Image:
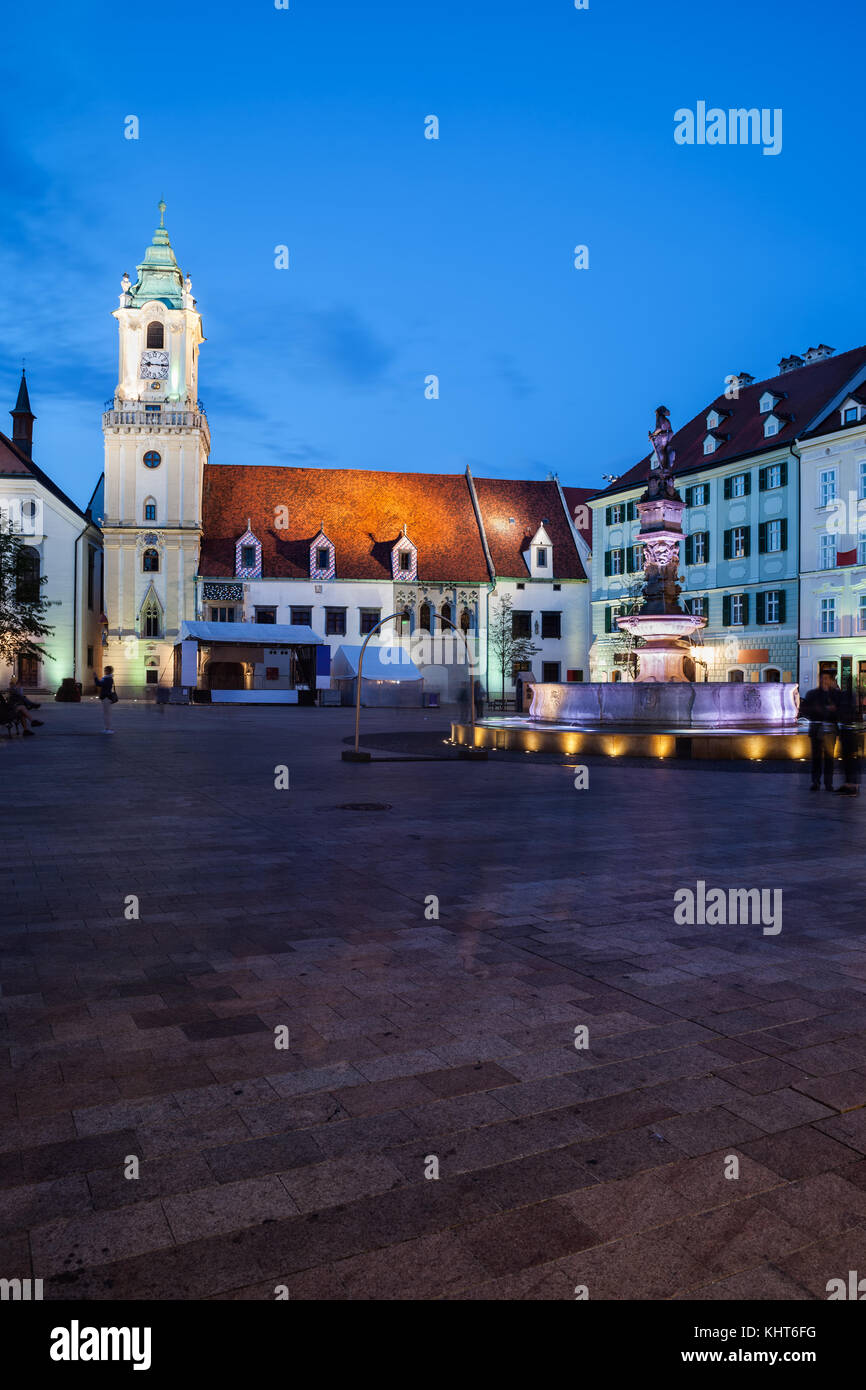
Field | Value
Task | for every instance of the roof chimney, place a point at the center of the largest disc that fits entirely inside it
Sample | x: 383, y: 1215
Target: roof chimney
x: 22, y: 420
x: 790, y: 364
x: 819, y: 353
x: 743, y: 379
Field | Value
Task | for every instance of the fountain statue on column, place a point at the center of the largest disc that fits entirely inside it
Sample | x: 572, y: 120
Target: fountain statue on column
x: 661, y: 621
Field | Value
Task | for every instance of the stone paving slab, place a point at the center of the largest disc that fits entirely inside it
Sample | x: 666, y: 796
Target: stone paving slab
x: 705, y: 1138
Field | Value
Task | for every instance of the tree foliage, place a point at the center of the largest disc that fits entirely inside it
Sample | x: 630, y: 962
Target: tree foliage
x: 22, y: 608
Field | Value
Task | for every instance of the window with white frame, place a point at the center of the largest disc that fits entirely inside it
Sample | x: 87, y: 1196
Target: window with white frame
x: 738, y: 609
x: 617, y: 513
x: 771, y: 426
x: 697, y: 606
x: 828, y: 615
x: 861, y: 614
x: 616, y: 558
x: 710, y: 445
x: 861, y: 548
x: 774, y: 475
x: 826, y: 486
x: 827, y: 553
x: 774, y: 535
x: 771, y: 606
x: 738, y: 485
x: 700, y: 495
x: 862, y: 488
x: 713, y: 420
x: 699, y: 548
x: 738, y: 542
x: 767, y: 401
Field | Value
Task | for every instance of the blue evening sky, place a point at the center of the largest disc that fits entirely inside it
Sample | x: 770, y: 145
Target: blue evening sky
x: 410, y: 256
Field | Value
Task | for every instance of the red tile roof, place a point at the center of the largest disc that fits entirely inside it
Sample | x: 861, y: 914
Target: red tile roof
x: 579, y: 497
x: 362, y: 511
x: 803, y: 392
x: 511, y: 512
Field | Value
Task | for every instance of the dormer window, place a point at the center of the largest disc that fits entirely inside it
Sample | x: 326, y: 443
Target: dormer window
x: 248, y: 555
x: 767, y: 401
x: 404, y: 559
x: 772, y: 425
x: 323, y: 558
x: 850, y: 415
x: 710, y: 444
x: 541, y: 557
x: 713, y: 421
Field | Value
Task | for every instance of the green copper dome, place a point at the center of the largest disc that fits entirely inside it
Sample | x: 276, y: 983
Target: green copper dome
x: 159, y: 275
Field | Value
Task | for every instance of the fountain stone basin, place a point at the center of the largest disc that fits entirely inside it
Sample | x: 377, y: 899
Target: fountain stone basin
x: 679, y: 703
x: 665, y: 642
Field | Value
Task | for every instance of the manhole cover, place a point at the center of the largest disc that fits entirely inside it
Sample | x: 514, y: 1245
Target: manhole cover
x: 364, y: 806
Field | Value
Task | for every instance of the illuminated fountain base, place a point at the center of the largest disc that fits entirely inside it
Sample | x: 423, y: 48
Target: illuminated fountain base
x: 685, y: 704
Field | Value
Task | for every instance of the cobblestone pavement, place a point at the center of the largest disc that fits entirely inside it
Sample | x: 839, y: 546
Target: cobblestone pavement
x: 414, y: 1038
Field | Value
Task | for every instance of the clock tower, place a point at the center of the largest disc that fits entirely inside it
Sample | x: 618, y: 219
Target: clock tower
x: 156, y: 445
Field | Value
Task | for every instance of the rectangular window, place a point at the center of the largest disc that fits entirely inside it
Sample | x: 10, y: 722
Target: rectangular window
x: 151, y: 409
x: 272, y: 673
x: 541, y: 558
x: 90, y: 656
x: 551, y: 624
x: 335, y: 622
x: 517, y: 667
x: 222, y: 615
x: 550, y: 671
x: 826, y: 486
x: 774, y: 536
x: 738, y: 543
x: 697, y: 606
x: 405, y: 559
x: 738, y: 485
x: 574, y: 677
x: 635, y: 558
x: 323, y: 557
x: 266, y: 615
x: 862, y: 489
x: 827, y: 553
x: 369, y: 619
x: 151, y: 677
x: 301, y: 617
x: 616, y: 514
x: 737, y: 609
x: 851, y: 414
x: 861, y: 614
x: 861, y: 549
x: 521, y: 624
x: 772, y: 606
x: 248, y: 557
x: 828, y: 615
x: 700, y: 548
x: 614, y: 562
x: 150, y: 511
x: 698, y: 496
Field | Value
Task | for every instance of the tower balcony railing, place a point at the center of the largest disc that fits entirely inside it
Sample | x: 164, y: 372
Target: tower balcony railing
x: 165, y: 415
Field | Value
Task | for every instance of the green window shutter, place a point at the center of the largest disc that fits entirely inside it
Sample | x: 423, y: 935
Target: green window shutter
x: 783, y: 466
x: 784, y: 530
x: 747, y: 478
x: 607, y: 562
x: 630, y: 511
x: 728, y: 544
x: 726, y: 611
x: 782, y: 597
x: 762, y: 480
x: 762, y: 538
x: 608, y: 621
x: 707, y: 547
x: 690, y: 497
x: 728, y: 487
x: 690, y: 548
x: 760, y: 605
x: 747, y: 547
x: 608, y: 515
x: 745, y: 610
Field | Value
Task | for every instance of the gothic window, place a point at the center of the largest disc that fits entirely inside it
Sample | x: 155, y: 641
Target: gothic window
x: 150, y: 561
x: 445, y: 611
x: 424, y: 617
x: 155, y: 335
x: 152, y: 459
x: 27, y: 580
x: 465, y: 620
x: 150, y: 509
x: 150, y: 619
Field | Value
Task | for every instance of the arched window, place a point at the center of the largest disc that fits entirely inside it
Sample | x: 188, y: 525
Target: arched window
x: 424, y: 617
x: 445, y: 610
x: 152, y: 459
x: 150, y: 509
x: 465, y: 620
x: 27, y: 579
x: 155, y: 335
x: 150, y: 561
x: 150, y: 619
x: 771, y: 674
x: 736, y: 677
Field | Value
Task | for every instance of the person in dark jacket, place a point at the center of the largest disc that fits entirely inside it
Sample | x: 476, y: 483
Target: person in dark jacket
x: 821, y: 707
x: 848, y: 719
x: 105, y: 690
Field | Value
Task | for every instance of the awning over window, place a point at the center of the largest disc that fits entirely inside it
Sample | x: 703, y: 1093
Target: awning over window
x: 256, y: 634
x: 380, y: 664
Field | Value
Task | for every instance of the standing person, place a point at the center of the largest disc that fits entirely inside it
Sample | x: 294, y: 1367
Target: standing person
x: 849, y: 737
x: 821, y: 707
x: 107, y: 697
x: 479, y: 700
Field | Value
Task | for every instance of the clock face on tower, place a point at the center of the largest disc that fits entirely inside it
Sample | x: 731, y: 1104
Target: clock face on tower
x: 154, y: 365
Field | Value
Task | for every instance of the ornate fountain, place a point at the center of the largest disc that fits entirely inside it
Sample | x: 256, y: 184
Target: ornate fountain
x: 662, y: 694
